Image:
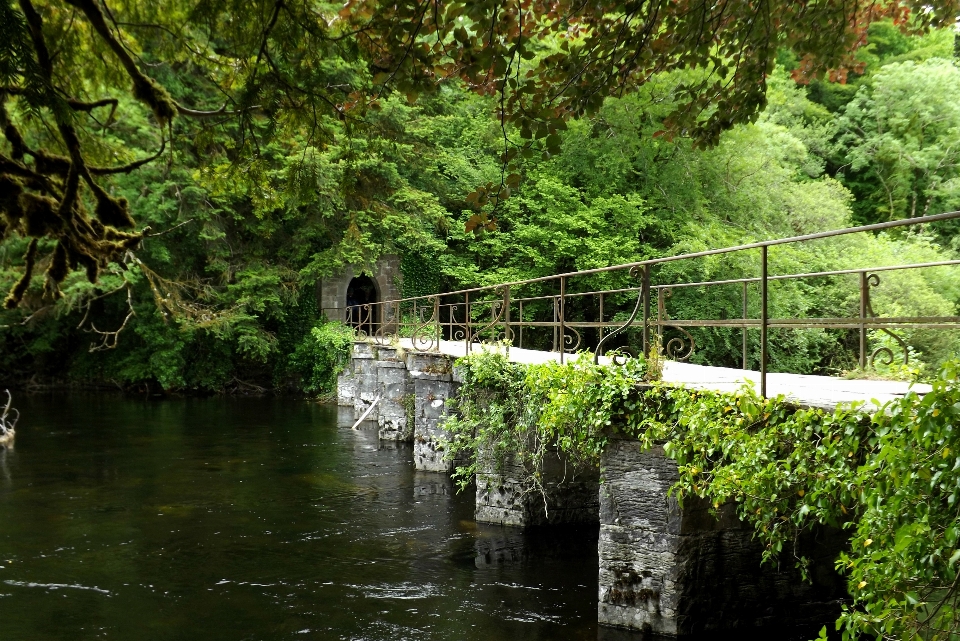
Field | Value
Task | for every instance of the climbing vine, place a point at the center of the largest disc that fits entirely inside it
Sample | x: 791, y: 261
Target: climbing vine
x: 890, y: 476
x: 421, y: 274
x: 493, y: 422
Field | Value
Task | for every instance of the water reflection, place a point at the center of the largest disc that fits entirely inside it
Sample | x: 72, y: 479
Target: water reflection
x: 6, y: 450
x: 260, y: 519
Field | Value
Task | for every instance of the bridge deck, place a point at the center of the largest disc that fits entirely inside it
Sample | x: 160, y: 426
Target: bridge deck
x: 812, y: 391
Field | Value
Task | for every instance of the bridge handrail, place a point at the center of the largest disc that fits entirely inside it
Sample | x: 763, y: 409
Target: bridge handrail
x: 421, y: 317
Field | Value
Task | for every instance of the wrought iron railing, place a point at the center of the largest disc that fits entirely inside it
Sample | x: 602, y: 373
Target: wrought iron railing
x: 554, y: 315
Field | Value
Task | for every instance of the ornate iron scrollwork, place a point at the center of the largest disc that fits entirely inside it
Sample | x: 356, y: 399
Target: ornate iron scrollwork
x: 498, y: 311
x: 458, y: 331
x: 360, y: 317
x: 384, y: 335
x: 568, y: 343
x: 677, y: 348
x: 635, y: 272
x: 873, y: 280
x: 426, y: 333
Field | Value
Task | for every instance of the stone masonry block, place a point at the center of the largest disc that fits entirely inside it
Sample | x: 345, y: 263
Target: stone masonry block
x: 433, y: 387
x: 347, y: 385
x: 674, y: 571
x: 367, y: 387
x: 363, y: 349
x: 505, y: 495
x: 396, y: 400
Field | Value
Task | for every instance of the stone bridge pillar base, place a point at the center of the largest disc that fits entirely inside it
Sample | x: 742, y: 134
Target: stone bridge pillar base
x: 568, y: 495
x: 364, y: 379
x: 675, y: 571
x: 347, y: 384
x: 413, y: 388
x: 395, y: 415
x: 433, y: 385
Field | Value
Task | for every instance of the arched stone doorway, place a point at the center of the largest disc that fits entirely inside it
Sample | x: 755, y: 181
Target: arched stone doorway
x: 362, y: 313
x: 385, y: 276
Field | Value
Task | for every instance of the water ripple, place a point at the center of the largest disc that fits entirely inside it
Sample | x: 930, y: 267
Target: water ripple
x: 57, y: 586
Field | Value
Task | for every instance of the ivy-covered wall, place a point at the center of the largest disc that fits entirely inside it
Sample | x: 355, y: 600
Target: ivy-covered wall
x: 889, y: 478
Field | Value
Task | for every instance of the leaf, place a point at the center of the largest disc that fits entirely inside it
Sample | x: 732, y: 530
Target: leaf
x: 474, y: 222
x: 954, y: 557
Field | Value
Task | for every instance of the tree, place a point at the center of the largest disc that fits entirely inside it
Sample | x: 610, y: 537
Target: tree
x: 548, y: 61
x: 68, y: 71
x: 903, y: 128
x: 67, y: 67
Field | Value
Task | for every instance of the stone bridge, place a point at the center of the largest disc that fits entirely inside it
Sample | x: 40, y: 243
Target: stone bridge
x: 663, y: 569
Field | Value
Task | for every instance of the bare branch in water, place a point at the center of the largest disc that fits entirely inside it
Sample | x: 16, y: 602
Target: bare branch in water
x: 7, y: 425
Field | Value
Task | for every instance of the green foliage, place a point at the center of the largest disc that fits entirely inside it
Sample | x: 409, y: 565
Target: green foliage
x: 579, y: 402
x: 421, y: 274
x: 889, y: 475
x: 321, y: 356
x: 492, y: 421
x: 884, y: 475
x: 902, y: 564
x: 616, y: 193
x: 251, y: 210
x: 904, y: 129
x: 507, y: 411
x: 547, y: 61
x: 223, y: 284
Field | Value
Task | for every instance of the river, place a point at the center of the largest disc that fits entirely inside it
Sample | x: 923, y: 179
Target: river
x: 236, y: 519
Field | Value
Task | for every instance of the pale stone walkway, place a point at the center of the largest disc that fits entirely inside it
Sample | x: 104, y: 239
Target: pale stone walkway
x: 812, y: 391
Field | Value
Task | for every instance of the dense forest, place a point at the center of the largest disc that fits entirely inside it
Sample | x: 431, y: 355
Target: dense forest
x: 221, y: 295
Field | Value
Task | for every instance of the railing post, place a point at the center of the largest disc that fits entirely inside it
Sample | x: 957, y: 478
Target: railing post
x: 563, y: 301
x: 507, y: 335
x: 863, y: 317
x: 661, y: 311
x: 437, y: 326
x: 645, y: 295
x: 746, y: 357
x: 451, y: 319
x: 555, y: 304
x: 467, y: 336
x: 521, y: 325
x: 600, y: 328
x: 763, y: 321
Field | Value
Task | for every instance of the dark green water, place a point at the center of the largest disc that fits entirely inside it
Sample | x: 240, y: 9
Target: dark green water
x: 259, y: 519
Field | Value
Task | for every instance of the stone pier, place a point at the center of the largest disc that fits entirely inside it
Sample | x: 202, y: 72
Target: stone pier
x: 433, y: 385
x: 663, y: 569
x: 678, y: 572
x: 395, y: 389
x: 568, y: 494
x: 360, y: 378
x: 413, y: 388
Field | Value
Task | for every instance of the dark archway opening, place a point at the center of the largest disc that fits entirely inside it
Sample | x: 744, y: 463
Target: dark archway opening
x: 362, y: 312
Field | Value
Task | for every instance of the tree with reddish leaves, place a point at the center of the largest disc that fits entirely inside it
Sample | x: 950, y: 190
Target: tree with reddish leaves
x: 549, y: 61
